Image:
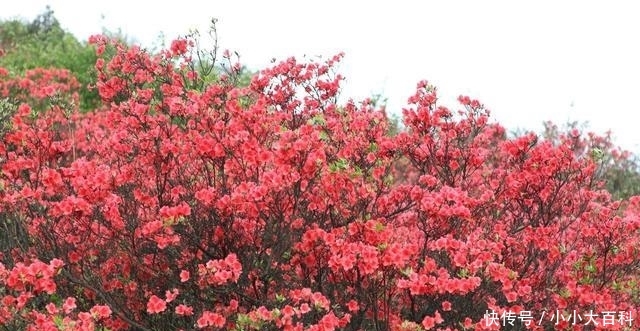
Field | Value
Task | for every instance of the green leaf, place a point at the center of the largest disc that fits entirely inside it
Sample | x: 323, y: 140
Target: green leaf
x: 59, y: 322
x: 597, y: 154
x: 318, y: 119
x: 275, y: 313
x: 388, y: 179
x: 324, y: 136
x: 615, y: 249
x: 339, y: 165
x: 357, y: 172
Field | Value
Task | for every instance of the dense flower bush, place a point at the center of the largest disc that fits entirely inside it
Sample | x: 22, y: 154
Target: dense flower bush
x: 181, y: 205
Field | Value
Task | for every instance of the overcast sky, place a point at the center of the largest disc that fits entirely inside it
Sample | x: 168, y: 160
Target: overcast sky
x: 526, y: 61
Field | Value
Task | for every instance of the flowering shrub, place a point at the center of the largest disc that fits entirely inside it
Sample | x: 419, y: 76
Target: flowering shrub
x: 182, y: 205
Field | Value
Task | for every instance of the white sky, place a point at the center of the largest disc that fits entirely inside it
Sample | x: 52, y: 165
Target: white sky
x: 526, y: 61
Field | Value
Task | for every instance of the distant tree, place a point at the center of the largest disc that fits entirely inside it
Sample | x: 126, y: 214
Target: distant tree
x: 43, y: 43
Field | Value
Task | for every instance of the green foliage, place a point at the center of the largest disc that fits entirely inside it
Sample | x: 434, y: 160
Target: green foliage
x: 43, y: 43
